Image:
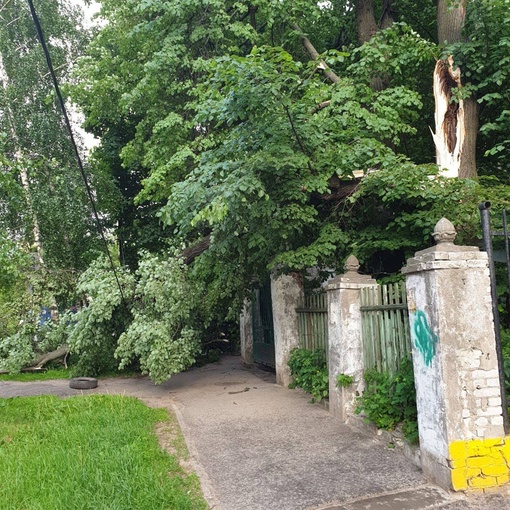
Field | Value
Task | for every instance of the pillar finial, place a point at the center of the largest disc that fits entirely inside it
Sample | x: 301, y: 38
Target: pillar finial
x: 444, y: 232
x: 351, y: 264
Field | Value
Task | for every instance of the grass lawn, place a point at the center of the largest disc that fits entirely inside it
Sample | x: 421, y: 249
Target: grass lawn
x: 39, y: 375
x: 96, y: 452
x: 58, y: 373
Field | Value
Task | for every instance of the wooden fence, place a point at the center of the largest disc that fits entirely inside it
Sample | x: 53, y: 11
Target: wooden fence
x: 313, y: 322
x: 385, y: 326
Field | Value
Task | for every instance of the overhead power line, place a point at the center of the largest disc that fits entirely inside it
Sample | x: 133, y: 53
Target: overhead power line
x: 63, y: 108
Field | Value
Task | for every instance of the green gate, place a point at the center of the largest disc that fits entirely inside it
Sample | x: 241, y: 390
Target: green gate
x: 263, y: 332
x: 385, y: 326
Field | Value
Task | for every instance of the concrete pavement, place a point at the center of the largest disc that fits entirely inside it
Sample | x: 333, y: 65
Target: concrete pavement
x: 256, y: 445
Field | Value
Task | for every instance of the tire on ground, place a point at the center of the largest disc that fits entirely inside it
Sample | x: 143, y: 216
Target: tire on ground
x: 83, y: 383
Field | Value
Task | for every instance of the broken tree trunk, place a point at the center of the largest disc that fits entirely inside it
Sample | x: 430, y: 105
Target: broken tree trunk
x: 40, y: 361
x: 449, y: 118
x: 456, y: 121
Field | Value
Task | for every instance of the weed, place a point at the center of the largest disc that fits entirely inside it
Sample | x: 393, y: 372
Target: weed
x: 390, y: 399
x: 310, y: 372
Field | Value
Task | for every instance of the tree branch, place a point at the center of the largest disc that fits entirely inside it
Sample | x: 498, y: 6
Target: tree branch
x: 310, y: 48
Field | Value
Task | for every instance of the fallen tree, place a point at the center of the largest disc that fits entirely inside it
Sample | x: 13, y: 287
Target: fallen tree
x: 41, y: 360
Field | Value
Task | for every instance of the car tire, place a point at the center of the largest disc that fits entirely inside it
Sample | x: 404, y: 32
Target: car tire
x: 83, y: 383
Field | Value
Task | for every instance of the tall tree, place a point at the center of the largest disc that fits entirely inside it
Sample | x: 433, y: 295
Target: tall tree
x: 56, y: 220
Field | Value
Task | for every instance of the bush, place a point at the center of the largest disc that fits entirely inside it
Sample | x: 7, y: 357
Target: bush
x: 310, y: 372
x: 390, y: 399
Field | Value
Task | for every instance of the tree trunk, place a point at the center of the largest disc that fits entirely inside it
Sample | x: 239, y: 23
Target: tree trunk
x: 365, y: 20
x: 367, y: 27
x: 388, y: 16
x: 40, y: 361
x: 456, y: 121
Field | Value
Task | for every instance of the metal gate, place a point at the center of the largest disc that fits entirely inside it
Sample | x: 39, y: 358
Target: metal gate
x: 263, y: 331
x: 503, y: 256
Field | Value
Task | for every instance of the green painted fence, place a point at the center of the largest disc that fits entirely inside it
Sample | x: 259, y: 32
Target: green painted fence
x: 313, y: 322
x: 385, y: 326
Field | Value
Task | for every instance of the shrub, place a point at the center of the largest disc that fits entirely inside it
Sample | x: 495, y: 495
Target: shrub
x: 390, y: 399
x: 310, y: 372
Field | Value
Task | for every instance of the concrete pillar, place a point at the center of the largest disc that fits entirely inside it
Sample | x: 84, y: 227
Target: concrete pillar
x: 345, y: 340
x: 286, y: 294
x: 462, y: 438
x: 246, y: 333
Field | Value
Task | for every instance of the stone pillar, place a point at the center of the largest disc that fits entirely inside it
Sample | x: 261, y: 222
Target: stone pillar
x: 460, y: 415
x: 345, y: 340
x: 286, y: 294
x: 246, y: 333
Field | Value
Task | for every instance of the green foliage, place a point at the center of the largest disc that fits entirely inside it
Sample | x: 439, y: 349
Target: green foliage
x: 160, y: 335
x: 505, y: 347
x: 344, y: 380
x: 40, y: 183
x: 39, y: 375
x: 107, y: 451
x: 310, y: 372
x: 94, y: 335
x: 484, y: 59
x: 17, y: 350
x: 390, y: 399
x: 53, y: 335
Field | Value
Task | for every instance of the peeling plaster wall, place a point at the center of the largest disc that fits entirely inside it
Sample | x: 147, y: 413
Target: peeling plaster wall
x: 455, y: 362
x: 345, y: 341
x: 287, y: 295
x: 246, y: 332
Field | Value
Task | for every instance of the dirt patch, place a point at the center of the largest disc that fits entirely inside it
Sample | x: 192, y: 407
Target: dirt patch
x: 171, y: 440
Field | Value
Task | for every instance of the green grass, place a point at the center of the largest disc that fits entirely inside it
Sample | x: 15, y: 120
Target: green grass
x: 40, y: 375
x: 97, y: 452
x: 58, y: 373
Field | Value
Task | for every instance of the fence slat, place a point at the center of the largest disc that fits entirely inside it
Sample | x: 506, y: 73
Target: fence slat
x: 313, y: 322
x: 385, y: 326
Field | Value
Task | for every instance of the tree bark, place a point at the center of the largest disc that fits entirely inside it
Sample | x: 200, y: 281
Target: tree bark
x: 388, y: 16
x: 40, y: 361
x: 314, y: 55
x: 365, y: 20
x: 456, y: 121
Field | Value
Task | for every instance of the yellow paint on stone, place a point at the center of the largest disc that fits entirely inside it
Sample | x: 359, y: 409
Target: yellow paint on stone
x: 458, y: 450
x: 482, y: 482
x: 479, y: 463
x: 459, y: 480
x: 495, y: 470
x: 489, y: 443
x: 484, y: 460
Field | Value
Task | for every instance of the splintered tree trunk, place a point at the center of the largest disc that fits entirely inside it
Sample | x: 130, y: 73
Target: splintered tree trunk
x: 456, y: 122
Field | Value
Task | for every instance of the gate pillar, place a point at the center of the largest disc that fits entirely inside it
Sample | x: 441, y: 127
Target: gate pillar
x: 459, y: 399
x: 246, y: 333
x: 345, y: 340
x: 287, y: 294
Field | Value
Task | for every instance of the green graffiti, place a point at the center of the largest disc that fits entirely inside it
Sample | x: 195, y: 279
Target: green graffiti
x: 424, y: 338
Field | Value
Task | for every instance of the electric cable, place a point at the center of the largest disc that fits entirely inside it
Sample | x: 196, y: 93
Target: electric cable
x: 56, y: 86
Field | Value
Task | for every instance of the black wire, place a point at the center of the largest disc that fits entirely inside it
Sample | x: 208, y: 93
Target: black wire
x: 71, y: 136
